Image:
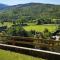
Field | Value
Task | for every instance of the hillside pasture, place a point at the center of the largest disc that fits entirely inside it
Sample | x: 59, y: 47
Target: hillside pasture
x: 8, y: 24
x: 32, y: 26
x: 40, y: 28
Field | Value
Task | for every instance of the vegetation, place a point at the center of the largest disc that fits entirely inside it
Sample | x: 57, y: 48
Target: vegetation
x: 8, y: 24
x: 29, y: 30
x: 46, y: 34
x: 26, y: 19
x: 31, y: 11
x: 16, y: 30
x: 40, y: 28
x: 8, y: 55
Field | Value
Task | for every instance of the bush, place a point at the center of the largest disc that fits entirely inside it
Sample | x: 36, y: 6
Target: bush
x: 46, y: 34
x: 16, y: 31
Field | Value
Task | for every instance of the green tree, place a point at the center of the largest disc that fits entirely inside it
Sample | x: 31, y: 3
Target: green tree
x: 17, y: 31
x: 46, y: 33
x: 2, y: 23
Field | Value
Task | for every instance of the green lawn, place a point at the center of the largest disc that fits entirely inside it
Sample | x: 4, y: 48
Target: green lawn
x: 8, y: 55
x: 40, y: 28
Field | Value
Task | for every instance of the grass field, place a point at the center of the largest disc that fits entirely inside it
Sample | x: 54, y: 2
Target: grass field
x: 8, y: 55
x: 31, y: 26
x: 40, y: 28
x: 8, y: 24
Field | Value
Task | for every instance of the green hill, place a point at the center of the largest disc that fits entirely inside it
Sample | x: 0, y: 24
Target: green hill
x: 30, y: 11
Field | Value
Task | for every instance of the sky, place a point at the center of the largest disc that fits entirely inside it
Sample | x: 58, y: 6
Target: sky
x: 15, y: 2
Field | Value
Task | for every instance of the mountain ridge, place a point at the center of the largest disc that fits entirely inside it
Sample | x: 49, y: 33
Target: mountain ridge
x: 3, y: 6
x: 30, y: 11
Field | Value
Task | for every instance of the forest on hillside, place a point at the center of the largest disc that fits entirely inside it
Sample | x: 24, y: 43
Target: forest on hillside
x: 30, y: 11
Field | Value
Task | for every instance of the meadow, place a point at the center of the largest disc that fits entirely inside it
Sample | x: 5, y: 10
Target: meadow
x: 40, y: 28
x: 8, y: 55
x: 8, y: 24
x: 32, y: 26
